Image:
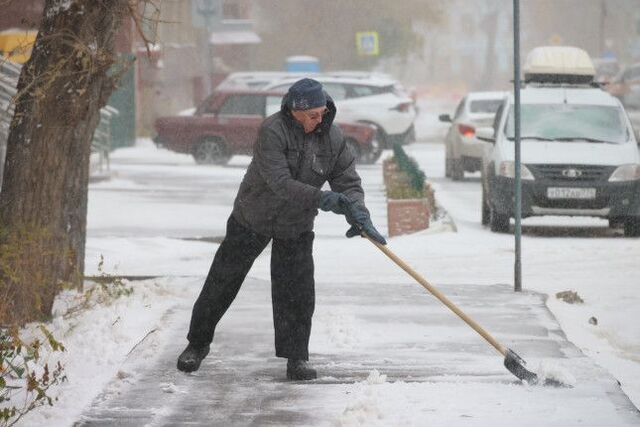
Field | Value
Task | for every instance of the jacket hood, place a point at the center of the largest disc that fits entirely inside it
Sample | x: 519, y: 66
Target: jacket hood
x: 327, y: 119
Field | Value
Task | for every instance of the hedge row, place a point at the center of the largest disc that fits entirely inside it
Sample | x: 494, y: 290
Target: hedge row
x: 410, y: 167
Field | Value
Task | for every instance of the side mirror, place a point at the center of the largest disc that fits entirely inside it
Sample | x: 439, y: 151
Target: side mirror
x: 486, y: 134
x: 445, y: 118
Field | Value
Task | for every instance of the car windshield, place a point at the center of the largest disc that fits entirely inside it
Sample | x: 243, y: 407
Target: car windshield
x: 562, y: 122
x: 488, y: 106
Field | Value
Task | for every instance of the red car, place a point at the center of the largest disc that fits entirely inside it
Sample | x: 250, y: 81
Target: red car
x: 227, y: 123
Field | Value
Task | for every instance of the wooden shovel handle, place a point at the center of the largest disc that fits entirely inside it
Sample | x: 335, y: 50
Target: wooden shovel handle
x: 436, y: 293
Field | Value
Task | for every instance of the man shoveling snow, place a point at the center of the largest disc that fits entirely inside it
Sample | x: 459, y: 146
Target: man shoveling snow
x: 297, y: 151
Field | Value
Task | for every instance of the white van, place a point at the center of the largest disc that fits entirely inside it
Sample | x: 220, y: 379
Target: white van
x: 579, y: 151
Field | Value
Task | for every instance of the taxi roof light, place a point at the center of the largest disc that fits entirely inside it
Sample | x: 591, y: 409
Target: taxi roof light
x: 559, y: 64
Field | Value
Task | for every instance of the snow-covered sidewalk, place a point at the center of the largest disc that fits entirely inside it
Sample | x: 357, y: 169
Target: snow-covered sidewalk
x: 386, y: 355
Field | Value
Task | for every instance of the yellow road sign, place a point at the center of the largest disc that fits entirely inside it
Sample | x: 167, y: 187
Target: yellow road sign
x: 367, y: 43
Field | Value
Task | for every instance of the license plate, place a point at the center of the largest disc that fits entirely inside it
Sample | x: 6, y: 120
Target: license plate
x: 571, y: 193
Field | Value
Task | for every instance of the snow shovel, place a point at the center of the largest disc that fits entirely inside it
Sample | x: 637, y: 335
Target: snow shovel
x: 514, y: 363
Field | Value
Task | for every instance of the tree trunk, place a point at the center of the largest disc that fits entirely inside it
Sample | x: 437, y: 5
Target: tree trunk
x: 43, y: 206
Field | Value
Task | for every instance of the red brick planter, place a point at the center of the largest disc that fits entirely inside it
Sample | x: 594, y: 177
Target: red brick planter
x: 405, y: 216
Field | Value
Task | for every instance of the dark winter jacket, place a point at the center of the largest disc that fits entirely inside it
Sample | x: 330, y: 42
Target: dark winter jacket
x: 280, y: 192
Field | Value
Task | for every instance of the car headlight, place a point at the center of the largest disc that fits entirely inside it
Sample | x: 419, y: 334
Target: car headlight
x: 625, y: 173
x: 508, y: 170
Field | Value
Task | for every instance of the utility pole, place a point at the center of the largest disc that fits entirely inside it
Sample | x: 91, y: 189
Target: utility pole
x: 517, y: 281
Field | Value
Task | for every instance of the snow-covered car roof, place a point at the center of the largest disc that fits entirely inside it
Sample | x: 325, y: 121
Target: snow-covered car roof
x: 561, y: 95
x: 358, y: 74
x: 254, y: 79
x: 266, y: 79
x: 475, y: 96
x: 370, y: 81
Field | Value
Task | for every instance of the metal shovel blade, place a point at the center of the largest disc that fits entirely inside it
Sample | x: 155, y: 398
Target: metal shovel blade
x: 516, y: 365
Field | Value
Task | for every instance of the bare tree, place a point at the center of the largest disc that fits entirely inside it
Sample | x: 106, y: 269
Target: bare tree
x: 43, y: 207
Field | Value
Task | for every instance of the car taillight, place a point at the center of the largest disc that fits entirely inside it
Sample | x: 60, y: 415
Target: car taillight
x: 403, y: 107
x: 468, y: 131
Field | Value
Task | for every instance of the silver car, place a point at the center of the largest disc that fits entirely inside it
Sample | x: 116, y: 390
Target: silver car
x: 464, y: 152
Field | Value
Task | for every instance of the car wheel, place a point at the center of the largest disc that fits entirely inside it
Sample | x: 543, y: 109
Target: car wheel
x: 447, y: 164
x: 354, y: 148
x: 632, y: 227
x: 457, y: 171
x: 211, y: 151
x: 485, y: 208
x: 498, y: 222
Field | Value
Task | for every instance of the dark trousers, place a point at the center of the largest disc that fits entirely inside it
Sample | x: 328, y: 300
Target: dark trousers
x: 292, y: 287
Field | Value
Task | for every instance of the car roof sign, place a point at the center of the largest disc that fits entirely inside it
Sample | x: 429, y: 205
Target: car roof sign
x: 559, y: 64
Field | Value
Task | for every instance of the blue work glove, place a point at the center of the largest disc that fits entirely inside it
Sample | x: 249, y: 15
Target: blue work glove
x: 360, y: 222
x: 335, y: 202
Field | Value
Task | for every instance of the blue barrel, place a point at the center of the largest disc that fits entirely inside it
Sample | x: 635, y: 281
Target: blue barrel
x: 303, y: 64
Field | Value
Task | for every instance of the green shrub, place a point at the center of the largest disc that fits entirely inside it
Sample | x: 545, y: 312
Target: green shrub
x: 415, y: 177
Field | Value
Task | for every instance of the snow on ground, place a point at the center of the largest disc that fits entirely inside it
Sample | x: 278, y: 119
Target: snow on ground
x: 104, y: 339
x: 160, y: 215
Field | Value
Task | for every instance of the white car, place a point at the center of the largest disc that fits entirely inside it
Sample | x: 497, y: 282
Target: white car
x: 257, y: 79
x: 378, y: 101
x: 463, y: 151
x: 579, y: 152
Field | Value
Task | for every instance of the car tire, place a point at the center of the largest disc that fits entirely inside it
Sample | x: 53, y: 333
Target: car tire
x: 447, y: 165
x: 211, y: 151
x: 485, y: 210
x: 498, y: 222
x: 457, y: 170
x: 632, y: 227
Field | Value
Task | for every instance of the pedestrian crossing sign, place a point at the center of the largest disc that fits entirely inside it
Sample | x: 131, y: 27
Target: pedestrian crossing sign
x: 367, y: 43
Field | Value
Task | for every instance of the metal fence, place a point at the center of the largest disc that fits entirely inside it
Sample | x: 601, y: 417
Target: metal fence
x: 100, y: 145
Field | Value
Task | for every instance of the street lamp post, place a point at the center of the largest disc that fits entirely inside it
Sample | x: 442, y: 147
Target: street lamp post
x: 517, y: 281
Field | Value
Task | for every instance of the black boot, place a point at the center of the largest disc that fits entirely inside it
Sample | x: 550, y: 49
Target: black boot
x: 299, y: 370
x: 191, y: 357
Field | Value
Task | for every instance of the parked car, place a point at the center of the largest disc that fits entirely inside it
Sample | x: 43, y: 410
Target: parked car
x: 626, y: 86
x: 240, y: 80
x: 227, y: 123
x: 579, y: 152
x: 463, y: 151
x: 378, y: 101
